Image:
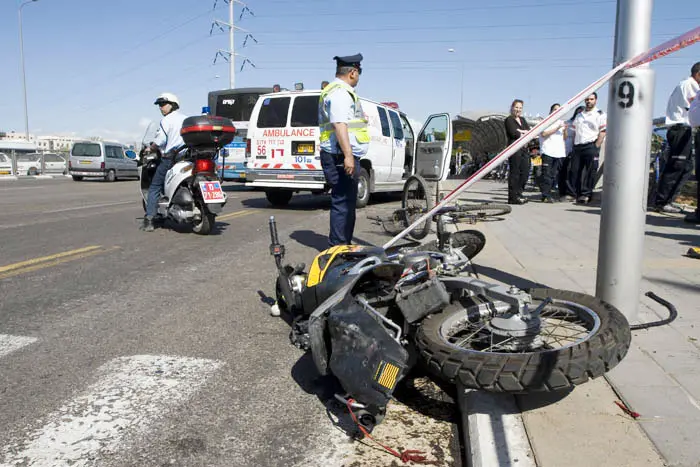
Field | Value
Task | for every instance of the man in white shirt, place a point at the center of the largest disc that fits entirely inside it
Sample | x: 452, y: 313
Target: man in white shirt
x: 168, y: 140
x: 679, y: 136
x: 590, y: 133
x: 694, y: 120
x: 553, y: 149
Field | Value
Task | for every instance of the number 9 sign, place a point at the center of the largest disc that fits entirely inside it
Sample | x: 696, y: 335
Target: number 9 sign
x: 625, y: 94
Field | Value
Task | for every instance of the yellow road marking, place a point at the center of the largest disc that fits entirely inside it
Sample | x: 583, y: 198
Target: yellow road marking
x: 237, y: 214
x: 54, y: 260
x: 10, y: 267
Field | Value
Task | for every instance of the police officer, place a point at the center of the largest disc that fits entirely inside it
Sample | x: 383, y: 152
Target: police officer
x: 344, y: 140
x: 167, y: 139
x: 590, y: 128
x: 679, y: 136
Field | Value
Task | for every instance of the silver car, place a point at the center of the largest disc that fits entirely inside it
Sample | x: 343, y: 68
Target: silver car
x: 100, y: 159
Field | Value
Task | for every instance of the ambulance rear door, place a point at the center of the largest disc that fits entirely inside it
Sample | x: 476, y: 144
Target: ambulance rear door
x: 285, y: 133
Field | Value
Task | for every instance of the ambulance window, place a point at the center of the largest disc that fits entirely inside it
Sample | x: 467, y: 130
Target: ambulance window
x: 385, y: 122
x: 396, y: 123
x: 273, y: 112
x: 305, y: 111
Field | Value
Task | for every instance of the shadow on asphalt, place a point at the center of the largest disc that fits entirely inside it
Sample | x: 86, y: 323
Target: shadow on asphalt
x: 317, y: 241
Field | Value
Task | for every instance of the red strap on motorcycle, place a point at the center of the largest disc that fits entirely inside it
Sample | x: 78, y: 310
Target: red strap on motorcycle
x: 409, y: 455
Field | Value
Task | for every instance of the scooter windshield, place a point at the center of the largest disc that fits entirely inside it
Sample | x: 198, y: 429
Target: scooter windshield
x: 150, y: 134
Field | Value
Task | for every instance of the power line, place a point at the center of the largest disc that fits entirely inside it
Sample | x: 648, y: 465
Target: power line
x: 396, y: 12
x: 443, y: 28
x: 452, y: 41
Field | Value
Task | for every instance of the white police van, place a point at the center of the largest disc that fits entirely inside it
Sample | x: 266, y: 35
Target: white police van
x: 285, y: 157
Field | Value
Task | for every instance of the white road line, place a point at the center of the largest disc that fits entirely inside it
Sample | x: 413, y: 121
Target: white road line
x: 89, y: 206
x: 130, y: 394
x: 9, y: 344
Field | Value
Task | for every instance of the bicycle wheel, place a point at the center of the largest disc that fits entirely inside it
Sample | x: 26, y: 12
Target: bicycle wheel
x: 415, y: 202
x: 482, y: 211
x: 580, y: 337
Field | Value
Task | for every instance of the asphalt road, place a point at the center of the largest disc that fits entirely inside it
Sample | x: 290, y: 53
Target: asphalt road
x: 119, y: 347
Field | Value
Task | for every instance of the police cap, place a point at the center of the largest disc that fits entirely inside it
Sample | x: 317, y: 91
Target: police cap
x: 350, y: 60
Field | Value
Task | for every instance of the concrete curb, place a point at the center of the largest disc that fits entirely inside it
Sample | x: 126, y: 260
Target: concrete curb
x: 8, y: 177
x: 494, y: 432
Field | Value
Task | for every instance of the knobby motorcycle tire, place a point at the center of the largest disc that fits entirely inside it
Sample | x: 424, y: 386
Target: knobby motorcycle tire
x: 544, y: 371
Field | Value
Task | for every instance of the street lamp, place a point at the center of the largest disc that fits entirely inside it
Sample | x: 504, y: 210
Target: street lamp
x: 461, y: 85
x: 24, y: 79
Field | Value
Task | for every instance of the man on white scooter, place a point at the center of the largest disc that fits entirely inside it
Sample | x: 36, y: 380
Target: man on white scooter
x: 166, y: 139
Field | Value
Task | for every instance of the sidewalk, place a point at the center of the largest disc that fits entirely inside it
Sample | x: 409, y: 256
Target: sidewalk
x: 556, y: 245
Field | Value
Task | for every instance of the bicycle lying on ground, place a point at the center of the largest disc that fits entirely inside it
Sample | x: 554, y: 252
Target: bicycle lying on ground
x: 416, y: 201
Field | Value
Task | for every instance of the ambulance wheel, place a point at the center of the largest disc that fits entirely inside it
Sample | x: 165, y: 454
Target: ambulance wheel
x: 279, y: 198
x: 363, y: 188
x: 77, y: 178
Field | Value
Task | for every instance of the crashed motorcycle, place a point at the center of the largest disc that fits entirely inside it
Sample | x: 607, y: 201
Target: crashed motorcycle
x: 192, y: 193
x: 368, y: 316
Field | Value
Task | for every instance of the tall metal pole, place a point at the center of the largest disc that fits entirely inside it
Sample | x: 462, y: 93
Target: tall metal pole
x: 24, y: 79
x: 461, y: 91
x: 627, y: 146
x: 232, y: 56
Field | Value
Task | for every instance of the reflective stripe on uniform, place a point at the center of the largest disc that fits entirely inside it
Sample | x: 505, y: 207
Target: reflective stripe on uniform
x: 357, y: 127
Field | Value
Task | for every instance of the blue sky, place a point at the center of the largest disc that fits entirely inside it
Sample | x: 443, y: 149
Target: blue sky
x: 95, y: 67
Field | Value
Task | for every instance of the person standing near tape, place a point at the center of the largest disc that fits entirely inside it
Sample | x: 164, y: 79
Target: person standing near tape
x: 344, y: 140
x: 590, y: 133
x: 519, y: 163
x: 679, y: 136
x: 553, y: 149
x: 567, y: 184
x: 694, y: 120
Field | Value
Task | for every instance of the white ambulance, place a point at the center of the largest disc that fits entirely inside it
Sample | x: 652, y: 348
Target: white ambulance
x: 285, y: 157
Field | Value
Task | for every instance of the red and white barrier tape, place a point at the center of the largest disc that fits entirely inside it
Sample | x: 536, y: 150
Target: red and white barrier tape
x: 667, y: 48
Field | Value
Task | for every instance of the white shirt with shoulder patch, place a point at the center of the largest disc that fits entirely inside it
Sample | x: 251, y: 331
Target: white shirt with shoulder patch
x: 694, y: 113
x: 679, y: 101
x: 589, y: 124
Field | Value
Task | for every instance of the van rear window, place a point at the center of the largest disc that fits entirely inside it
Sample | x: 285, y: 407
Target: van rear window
x: 305, y: 111
x: 273, y: 112
x: 86, y: 150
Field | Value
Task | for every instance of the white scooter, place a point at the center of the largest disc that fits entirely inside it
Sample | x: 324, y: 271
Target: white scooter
x: 192, y: 192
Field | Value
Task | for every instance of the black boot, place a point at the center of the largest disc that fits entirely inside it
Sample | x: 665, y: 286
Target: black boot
x: 147, y: 225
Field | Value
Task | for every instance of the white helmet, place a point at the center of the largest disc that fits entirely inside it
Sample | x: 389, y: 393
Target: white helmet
x: 167, y: 97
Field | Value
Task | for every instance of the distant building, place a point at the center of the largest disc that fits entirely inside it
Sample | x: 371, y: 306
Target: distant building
x: 14, y: 136
x: 56, y: 143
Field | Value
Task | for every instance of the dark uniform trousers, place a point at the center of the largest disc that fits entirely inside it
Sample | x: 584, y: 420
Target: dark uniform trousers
x: 677, y: 168
x: 343, y: 197
x: 518, y: 173
x: 583, y: 169
x: 551, y: 170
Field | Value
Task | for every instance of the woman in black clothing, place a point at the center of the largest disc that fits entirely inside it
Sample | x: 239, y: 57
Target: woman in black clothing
x: 519, y: 171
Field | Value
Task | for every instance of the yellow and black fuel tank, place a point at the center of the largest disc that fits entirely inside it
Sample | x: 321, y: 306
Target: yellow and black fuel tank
x: 328, y: 272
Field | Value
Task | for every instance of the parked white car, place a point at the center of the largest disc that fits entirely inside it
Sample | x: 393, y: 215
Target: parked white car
x: 5, y: 164
x: 30, y: 164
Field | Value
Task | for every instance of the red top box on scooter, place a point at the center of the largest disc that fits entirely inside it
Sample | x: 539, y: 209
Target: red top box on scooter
x: 204, y: 131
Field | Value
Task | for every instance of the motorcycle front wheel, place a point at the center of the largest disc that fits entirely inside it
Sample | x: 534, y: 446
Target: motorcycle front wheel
x: 580, y: 337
